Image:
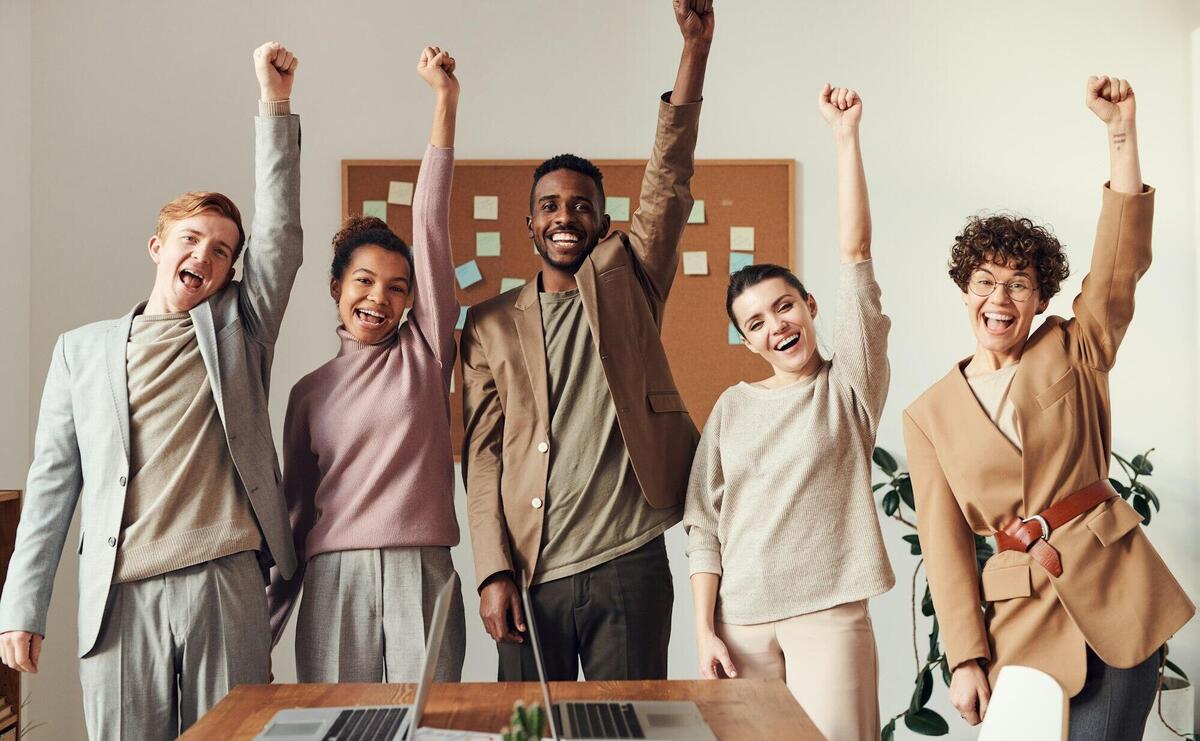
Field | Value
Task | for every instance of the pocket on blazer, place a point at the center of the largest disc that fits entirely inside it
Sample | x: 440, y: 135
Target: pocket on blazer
x: 1057, y: 390
x: 1113, y: 523
x: 1009, y: 582
x: 666, y: 402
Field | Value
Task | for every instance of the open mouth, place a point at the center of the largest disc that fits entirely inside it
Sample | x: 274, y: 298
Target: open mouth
x: 190, y: 279
x: 997, y: 322
x: 787, y: 343
x: 369, y: 317
x: 566, y: 240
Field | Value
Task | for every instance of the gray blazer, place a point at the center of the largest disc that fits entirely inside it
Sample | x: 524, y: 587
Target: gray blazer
x: 81, y: 449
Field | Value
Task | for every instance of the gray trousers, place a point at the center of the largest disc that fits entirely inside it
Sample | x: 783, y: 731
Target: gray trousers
x: 1114, y: 703
x: 172, y: 646
x: 365, y: 614
x: 614, y: 618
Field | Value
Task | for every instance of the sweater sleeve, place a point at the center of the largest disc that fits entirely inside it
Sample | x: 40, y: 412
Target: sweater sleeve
x: 860, y: 341
x: 702, y: 508
x: 434, y: 310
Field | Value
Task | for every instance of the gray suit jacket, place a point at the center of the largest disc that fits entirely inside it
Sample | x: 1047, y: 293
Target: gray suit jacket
x: 81, y: 450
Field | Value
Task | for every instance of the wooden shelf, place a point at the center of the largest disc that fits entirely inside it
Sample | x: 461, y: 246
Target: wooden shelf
x: 9, y: 496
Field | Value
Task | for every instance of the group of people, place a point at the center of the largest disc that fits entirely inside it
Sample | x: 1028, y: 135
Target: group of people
x: 579, y: 452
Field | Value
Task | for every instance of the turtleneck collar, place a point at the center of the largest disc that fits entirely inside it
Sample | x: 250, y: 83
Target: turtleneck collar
x: 349, y: 344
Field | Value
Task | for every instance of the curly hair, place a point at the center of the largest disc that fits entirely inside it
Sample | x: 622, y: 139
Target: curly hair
x: 1013, y: 241
x: 360, y: 230
x: 571, y: 162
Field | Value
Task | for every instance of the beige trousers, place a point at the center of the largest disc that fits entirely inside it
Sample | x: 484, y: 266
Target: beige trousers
x: 828, y: 660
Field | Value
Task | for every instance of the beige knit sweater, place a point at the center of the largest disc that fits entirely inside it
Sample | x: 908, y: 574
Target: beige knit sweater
x: 779, y: 503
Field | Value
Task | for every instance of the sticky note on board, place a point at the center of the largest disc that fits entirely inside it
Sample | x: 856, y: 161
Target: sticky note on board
x: 617, y: 208
x: 462, y: 317
x: 400, y: 193
x: 739, y: 260
x: 378, y: 209
x: 695, y: 263
x: 487, y: 207
x: 697, y: 214
x: 507, y: 284
x: 468, y: 274
x: 735, y: 338
x: 487, y: 244
x: 741, y: 238
x: 452, y: 383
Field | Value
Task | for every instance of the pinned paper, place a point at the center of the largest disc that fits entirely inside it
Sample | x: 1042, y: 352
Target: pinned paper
x: 400, y: 193
x: 487, y: 207
x: 378, y: 209
x: 487, y: 244
x: 735, y: 337
x: 739, y: 260
x: 695, y: 263
x: 462, y: 317
x: 741, y: 238
x: 452, y: 383
x: 507, y: 284
x: 697, y: 214
x: 617, y: 207
x: 468, y: 274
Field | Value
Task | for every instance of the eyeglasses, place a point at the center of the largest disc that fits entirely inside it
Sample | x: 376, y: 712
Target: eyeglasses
x: 982, y: 284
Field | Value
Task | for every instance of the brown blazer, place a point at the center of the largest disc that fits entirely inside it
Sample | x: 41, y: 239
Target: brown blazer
x: 624, y: 285
x: 1115, y: 593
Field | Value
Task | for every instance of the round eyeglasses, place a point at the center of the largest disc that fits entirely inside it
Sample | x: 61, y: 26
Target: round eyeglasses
x: 983, y: 284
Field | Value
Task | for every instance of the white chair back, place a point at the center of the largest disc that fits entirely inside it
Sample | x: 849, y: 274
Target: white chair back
x: 1026, y: 704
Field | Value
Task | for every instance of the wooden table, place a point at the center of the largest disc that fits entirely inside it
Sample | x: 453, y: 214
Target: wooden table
x: 733, y: 708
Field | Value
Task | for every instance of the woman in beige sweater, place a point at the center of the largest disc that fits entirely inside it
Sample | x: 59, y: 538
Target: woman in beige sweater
x: 783, y: 540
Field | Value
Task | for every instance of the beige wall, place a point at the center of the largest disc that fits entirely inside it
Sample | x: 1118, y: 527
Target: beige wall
x: 968, y: 106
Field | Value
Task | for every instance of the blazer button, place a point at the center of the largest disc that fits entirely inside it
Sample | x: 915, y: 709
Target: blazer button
x: 122, y: 481
x: 112, y: 542
x: 537, y: 503
x: 543, y: 447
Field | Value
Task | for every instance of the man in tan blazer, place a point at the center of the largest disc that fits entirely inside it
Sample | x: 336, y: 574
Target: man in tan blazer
x: 578, y: 445
x: 1018, y: 429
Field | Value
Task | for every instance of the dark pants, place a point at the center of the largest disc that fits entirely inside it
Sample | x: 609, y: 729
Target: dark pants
x: 614, y: 618
x: 1114, y: 703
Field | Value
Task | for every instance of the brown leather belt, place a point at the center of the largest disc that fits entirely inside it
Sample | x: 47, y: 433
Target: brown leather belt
x: 1032, y: 534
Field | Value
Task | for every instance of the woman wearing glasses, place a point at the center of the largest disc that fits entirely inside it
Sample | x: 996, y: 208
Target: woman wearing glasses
x: 1015, y: 442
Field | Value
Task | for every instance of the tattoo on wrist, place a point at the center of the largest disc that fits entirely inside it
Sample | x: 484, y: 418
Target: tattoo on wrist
x: 1118, y: 139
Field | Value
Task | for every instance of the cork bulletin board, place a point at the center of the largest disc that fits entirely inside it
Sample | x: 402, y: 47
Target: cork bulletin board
x: 491, y: 197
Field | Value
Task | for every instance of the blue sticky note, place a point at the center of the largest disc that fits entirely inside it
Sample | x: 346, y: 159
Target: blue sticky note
x: 739, y: 260
x: 735, y: 337
x: 378, y: 209
x: 462, y: 317
x: 468, y: 274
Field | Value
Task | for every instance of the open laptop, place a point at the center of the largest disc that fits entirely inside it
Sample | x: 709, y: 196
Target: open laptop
x: 368, y: 723
x: 646, y: 719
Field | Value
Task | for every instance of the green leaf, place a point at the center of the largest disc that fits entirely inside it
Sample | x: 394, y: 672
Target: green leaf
x: 946, y: 676
x: 926, y: 722
x: 927, y: 603
x: 1175, y: 668
x: 983, y: 550
x: 879, y: 486
x: 906, y: 492
x: 889, y: 731
x: 885, y: 461
x: 891, y: 503
x: 922, y: 692
x: 1122, y: 489
x: 1143, y: 508
x: 1141, y: 464
x: 914, y: 544
x: 935, y: 650
x: 1147, y: 492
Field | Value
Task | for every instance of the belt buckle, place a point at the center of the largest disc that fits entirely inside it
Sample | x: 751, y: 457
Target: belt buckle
x: 1042, y: 522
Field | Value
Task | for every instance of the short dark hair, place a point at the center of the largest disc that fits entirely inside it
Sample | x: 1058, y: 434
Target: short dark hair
x: 752, y: 275
x: 1013, y: 241
x: 573, y: 163
x: 360, y: 230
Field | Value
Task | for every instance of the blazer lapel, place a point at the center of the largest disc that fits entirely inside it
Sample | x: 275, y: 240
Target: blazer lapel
x: 585, y: 278
x: 965, y: 399
x: 206, y: 339
x: 116, y: 343
x: 528, y: 320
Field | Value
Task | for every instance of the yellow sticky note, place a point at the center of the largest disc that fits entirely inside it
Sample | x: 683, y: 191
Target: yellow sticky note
x: 695, y: 263
x: 487, y: 244
x: 617, y: 208
x: 487, y: 207
x: 697, y: 214
x: 741, y: 238
x: 400, y: 193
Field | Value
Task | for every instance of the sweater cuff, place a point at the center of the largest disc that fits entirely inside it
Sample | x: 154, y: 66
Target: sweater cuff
x: 704, y: 562
x: 858, y: 274
x: 275, y: 107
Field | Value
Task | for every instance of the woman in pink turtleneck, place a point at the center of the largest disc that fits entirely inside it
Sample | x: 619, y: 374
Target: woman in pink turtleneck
x: 367, y: 469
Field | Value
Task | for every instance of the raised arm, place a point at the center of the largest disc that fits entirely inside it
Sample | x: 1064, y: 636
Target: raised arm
x: 842, y: 110
x: 696, y: 22
x: 275, y: 248
x: 435, y: 306
x: 1111, y: 99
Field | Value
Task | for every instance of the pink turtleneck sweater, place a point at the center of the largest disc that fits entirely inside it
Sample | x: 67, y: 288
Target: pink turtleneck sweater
x: 366, y: 449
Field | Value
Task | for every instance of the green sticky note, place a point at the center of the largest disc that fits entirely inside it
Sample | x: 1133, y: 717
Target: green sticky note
x: 697, y: 214
x: 487, y: 244
x: 378, y: 209
x: 462, y: 318
x: 507, y: 284
x: 735, y: 338
x: 468, y: 274
x: 617, y: 208
x: 739, y: 260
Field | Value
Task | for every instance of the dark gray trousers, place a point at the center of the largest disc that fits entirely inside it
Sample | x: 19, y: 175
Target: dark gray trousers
x: 1114, y: 703
x: 614, y: 619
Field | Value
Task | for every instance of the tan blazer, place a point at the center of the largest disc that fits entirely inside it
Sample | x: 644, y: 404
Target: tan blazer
x: 1115, y: 593
x: 624, y: 285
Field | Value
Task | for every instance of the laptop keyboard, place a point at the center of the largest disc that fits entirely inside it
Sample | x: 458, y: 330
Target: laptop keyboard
x: 600, y: 719
x: 366, y: 724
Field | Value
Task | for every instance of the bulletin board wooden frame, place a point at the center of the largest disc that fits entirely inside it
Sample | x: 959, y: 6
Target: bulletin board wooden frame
x: 759, y: 193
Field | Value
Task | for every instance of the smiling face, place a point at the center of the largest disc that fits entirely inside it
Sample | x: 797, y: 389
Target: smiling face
x: 568, y: 219
x: 194, y: 259
x: 372, y: 293
x: 1001, y: 324
x: 777, y: 324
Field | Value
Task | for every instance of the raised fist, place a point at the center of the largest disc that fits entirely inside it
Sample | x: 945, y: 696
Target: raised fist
x: 695, y: 19
x: 275, y: 68
x: 1111, y: 99
x: 841, y: 108
x: 436, y: 67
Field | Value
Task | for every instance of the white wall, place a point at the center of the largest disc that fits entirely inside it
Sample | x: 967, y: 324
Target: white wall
x: 968, y: 106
